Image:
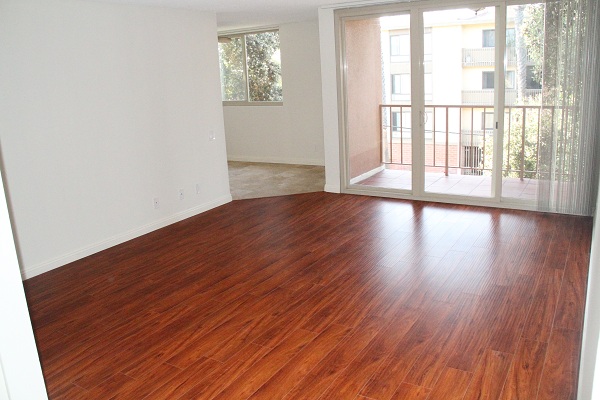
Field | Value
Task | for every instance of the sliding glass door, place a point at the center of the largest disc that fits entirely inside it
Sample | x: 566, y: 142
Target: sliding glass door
x: 441, y: 102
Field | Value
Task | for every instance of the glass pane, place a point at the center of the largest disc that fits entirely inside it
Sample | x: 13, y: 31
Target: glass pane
x: 522, y: 114
x: 459, y: 101
x: 378, y: 89
x: 233, y: 78
x: 264, y: 67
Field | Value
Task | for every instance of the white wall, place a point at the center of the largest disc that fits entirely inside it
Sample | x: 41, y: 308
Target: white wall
x: 589, y: 378
x: 292, y: 133
x: 20, y: 371
x: 105, y: 107
x: 330, y: 100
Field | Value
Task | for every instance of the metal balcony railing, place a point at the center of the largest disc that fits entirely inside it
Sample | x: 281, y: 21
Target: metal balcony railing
x: 485, y: 56
x: 460, y: 137
x: 486, y: 96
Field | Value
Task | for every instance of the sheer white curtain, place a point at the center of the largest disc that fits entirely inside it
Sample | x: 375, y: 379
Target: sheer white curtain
x: 570, y: 126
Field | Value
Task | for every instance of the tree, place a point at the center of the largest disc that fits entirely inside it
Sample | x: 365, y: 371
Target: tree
x: 521, y: 53
x: 522, y: 138
x: 533, y: 36
x: 233, y: 82
x: 264, y: 67
x: 251, y: 67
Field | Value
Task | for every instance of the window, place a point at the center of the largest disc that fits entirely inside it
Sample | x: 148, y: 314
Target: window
x: 400, y: 46
x: 532, y: 81
x: 428, y: 86
x: 472, y: 157
x: 401, y: 125
x: 487, y: 121
x: 489, y: 38
x: 487, y: 81
x: 395, y: 45
x: 401, y: 84
x: 509, y: 79
x: 251, y: 67
x: 396, y: 121
x: 510, y: 37
x: 427, y: 45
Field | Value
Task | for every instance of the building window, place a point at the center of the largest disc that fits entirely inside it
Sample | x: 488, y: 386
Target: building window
x: 401, y: 84
x: 487, y: 81
x: 396, y: 121
x: 401, y: 124
x: 251, y: 67
x: 472, y: 157
x: 428, y: 86
x: 510, y: 37
x: 487, y: 121
x: 395, y: 45
x: 509, y: 79
x: 400, y: 46
x: 427, y: 46
x: 531, y: 78
x: 489, y: 38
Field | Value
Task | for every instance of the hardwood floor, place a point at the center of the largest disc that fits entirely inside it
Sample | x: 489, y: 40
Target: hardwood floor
x: 322, y: 296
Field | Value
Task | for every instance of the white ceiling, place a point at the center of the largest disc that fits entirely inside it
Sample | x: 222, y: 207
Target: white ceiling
x: 239, y: 14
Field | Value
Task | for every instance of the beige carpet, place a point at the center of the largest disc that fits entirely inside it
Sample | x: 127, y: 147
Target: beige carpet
x: 253, y: 180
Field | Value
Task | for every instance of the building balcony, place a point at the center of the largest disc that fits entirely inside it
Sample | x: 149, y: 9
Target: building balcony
x: 486, y: 96
x: 485, y: 57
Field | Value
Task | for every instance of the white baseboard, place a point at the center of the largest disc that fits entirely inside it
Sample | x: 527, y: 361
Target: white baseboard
x: 367, y: 174
x: 30, y: 272
x: 332, y: 188
x: 277, y: 160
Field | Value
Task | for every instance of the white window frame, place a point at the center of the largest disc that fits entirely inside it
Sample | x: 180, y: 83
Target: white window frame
x: 247, y: 102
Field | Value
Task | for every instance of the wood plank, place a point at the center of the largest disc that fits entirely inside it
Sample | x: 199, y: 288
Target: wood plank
x: 571, y: 302
x: 559, y: 378
x: 510, y: 315
x: 304, y: 361
x: 525, y: 371
x: 452, y: 385
x: 541, y: 313
x: 392, y: 371
x: 489, y: 377
x: 225, y: 374
x: 411, y: 392
x: 250, y: 381
x: 349, y: 383
x: 319, y: 379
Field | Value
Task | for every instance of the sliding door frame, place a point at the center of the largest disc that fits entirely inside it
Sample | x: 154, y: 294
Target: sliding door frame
x: 416, y: 10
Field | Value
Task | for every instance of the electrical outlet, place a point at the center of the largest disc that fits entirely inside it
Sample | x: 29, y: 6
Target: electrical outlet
x: 197, y: 188
x: 211, y: 135
x: 181, y: 196
x: 156, y: 202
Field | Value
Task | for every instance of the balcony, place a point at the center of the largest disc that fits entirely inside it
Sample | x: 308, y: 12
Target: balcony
x: 486, y: 96
x: 459, y: 151
x: 485, y: 56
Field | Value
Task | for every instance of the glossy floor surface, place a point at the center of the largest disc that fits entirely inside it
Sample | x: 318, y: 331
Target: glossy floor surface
x: 322, y: 296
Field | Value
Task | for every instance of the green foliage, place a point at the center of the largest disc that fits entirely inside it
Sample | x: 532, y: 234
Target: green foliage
x: 522, y: 141
x: 521, y: 148
x: 533, y: 36
x: 259, y: 54
x: 233, y: 82
x: 264, y: 67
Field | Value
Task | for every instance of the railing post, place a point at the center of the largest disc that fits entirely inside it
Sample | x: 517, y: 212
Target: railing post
x: 381, y: 132
x: 434, y: 143
x: 392, y: 134
x: 523, y: 143
x: 447, y: 144
x: 508, y: 146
